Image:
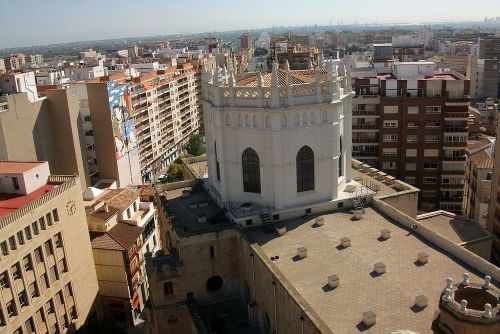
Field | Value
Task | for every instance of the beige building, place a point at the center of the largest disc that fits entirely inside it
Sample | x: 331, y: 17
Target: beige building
x: 477, y: 186
x: 47, y: 274
x: 15, y: 62
x: 123, y: 230
x: 493, y: 224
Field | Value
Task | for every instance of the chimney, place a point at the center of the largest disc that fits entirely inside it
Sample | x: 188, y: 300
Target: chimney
x: 106, y: 207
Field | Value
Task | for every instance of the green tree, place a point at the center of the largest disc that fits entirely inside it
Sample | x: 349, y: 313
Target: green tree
x: 174, y: 172
x: 195, y: 145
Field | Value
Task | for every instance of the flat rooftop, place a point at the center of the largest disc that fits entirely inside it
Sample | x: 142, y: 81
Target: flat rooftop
x: 456, y: 228
x: 184, y: 212
x: 391, y: 295
x: 18, y: 167
x: 11, y: 202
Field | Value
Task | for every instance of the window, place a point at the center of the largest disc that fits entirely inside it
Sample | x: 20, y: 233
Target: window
x: 411, y: 152
x: 42, y: 223
x: 412, y: 110
x: 4, y: 280
x: 49, y: 219
x: 23, y: 300
x: 431, y: 152
x: 15, y: 183
x: 430, y: 180
x: 212, y: 251
x: 390, y: 138
x: 27, y: 232
x: 410, y: 179
x: 428, y: 193
x: 11, y: 308
x: 38, y: 255
x: 389, y: 165
x: 44, y: 281
x: 54, y: 276
x: 55, y: 215
x: 433, y: 110
x: 35, y: 228
x: 16, y: 271
x: 48, y: 248
x: 12, y: 243
x: 168, y: 288
x: 217, y: 166
x: 30, y: 326
x: 432, y: 139
x: 412, y: 124
x: 390, y: 152
x: 68, y: 291
x: 59, y: 298
x: 64, y: 321
x: 63, y: 266
x: 4, y: 248
x: 251, y: 171
x: 411, y: 138
x: 20, y: 238
x: 305, y: 169
x: 72, y: 313
x: 411, y: 166
x: 28, y: 265
x: 49, y: 307
x: 430, y: 165
x: 390, y: 109
x: 390, y: 124
x: 18, y: 331
x: 433, y: 124
x: 58, y: 240
x: 33, y: 290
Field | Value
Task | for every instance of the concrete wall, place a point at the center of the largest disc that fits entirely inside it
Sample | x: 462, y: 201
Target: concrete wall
x: 111, y: 273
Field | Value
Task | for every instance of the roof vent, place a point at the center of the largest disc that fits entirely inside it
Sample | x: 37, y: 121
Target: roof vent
x: 333, y: 281
x: 281, y: 230
x: 379, y: 268
x: 385, y: 234
x: 487, y: 283
x: 421, y: 301
x: 465, y: 281
x: 369, y: 318
x: 423, y: 258
x: 320, y: 221
x: 345, y: 242
x: 302, y: 252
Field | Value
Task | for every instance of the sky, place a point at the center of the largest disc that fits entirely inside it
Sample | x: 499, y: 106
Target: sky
x: 40, y: 22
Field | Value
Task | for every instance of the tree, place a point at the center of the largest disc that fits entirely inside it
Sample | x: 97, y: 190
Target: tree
x: 195, y: 145
x: 174, y: 173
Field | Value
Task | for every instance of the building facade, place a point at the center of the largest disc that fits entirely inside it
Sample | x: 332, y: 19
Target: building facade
x: 304, y: 115
x: 48, y: 279
x: 493, y: 224
x: 412, y: 123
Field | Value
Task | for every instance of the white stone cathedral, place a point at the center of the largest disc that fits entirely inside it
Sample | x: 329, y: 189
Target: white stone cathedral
x: 279, y: 140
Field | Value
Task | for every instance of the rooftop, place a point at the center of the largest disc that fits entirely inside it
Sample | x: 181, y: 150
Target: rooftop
x: 391, y: 295
x: 11, y: 202
x: 298, y: 77
x: 456, y: 228
x: 18, y: 167
x: 187, y: 213
x: 121, y: 237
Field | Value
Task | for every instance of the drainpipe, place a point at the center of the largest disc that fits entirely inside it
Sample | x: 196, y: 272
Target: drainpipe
x: 302, y: 319
x: 275, y: 308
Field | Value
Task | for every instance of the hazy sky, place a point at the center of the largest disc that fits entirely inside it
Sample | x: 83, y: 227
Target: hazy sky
x: 36, y: 22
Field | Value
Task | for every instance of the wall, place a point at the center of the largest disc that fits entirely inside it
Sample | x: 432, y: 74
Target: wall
x: 111, y: 273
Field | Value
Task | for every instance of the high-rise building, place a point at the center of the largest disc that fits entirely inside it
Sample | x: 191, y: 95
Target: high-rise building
x: 411, y: 121
x: 36, y: 59
x: 245, y: 41
x: 484, y: 76
x: 47, y: 273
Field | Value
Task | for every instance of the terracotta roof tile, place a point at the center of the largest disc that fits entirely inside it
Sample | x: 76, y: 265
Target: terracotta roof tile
x: 125, y: 234
x: 478, y: 144
x: 482, y: 160
x: 119, y: 198
x: 102, y: 240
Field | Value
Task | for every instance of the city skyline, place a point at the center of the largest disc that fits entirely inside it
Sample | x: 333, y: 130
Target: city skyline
x: 113, y: 19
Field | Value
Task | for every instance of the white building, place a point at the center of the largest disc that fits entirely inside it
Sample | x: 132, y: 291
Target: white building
x: 279, y: 140
x: 85, y: 73
x: 19, y: 83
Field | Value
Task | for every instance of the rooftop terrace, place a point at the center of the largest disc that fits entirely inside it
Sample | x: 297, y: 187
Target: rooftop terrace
x: 390, y: 295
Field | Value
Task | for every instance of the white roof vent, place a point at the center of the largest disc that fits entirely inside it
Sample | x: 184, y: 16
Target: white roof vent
x: 423, y: 258
x: 302, y: 252
x: 369, y: 318
x: 320, y: 221
x: 421, y: 301
x: 379, y: 268
x: 385, y: 234
x: 345, y: 242
x: 333, y: 281
x: 281, y: 230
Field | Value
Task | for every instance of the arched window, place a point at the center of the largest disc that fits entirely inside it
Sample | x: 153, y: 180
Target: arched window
x: 251, y: 171
x: 305, y: 169
x: 217, y: 167
x: 341, y: 161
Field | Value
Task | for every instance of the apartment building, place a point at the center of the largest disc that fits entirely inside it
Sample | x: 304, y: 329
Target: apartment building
x: 484, y: 76
x: 411, y: 121
x: 123, y: 230
x: 493, y: 224
x: 47, y: 275
x: 478, y: 173
x: 15, y: 62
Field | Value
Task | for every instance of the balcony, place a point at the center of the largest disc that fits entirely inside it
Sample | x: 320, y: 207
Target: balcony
x: 365, y: 154
x: 456, y: 116
x: 454, y: 129
x: 457, y: 199
x: 365, y: 126
x: 457, y: 101
x: 357, y: 112
x: 453, y: 158
x: 452, y: 186
x: 365, y: 140
x: 454, y: 143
